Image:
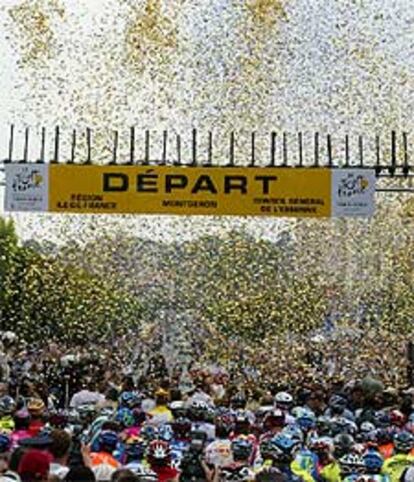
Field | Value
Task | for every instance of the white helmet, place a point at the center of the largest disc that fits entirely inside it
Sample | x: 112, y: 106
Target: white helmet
x: 283, y: 398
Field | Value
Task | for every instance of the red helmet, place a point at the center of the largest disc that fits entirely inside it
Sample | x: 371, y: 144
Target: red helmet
x: 397, y: 418
x: 273, y: 419
x: 159, y: 453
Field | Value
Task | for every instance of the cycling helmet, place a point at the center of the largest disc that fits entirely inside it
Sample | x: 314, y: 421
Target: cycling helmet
x: 403, y: 442
x: 383, y: 436
x: 58, y: 419
x: 343, y: 444
x: 7, y: 424
x: 134, y: 449
x: 343, y: 425
x: 236, y: 474
x: 158, y: 453
x: 382, y: 419
x: 337, y: 403
x: 144, y: 474
x: 306, y: 420
x: 242, y: 423
x: 268, y: 474
x: 238, y: 401
x: 5, y: 443
x: 294, y: 432
x: 7, y: 405
x: 241, y: 448
x: 269, y: 450
x: 367, y: 427
x: 323, y: 425
x: 367, y: 433
x: 178, y: 409
x: 198, y: 411
x: 351, y: 464
x: 108, y: 441
x: 166, y: 432
x: 36, y: 407
x: 129, y: 400
x: 274, y: 419
x: 373, y: 461
x: 73, y: 416
x: 87, y: 412
x: 397, y: 418
x: 181, y: 428
x: 283, y: 400
x: 149, y: 432
x: 106, y: 412
x: 125, y: 417
x: 287, y: 447
x: 321, y: 445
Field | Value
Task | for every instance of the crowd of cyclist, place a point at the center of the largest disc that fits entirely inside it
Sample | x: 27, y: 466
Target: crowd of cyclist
x: 358, y: 432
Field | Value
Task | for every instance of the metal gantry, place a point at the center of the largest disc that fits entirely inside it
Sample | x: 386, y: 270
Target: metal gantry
x: 388, y: 155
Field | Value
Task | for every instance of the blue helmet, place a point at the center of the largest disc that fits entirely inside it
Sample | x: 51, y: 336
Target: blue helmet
x: 403, y: 442
x: 5, y: 443
x: 108, y: 441
x: 382, y: 419
x: 128, y: 399
x: 287, y: 446
x: 306, y: 420
x: 149, y: 432
x: 166, y: 432
x: 241, y: 448
x: 135, y: 449
x: 269, y: 450
x: 373, y: 461
x: 294, y: 432
x: 125, y: 417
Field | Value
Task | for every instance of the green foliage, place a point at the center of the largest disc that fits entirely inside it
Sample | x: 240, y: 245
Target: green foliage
x: 44, y: 299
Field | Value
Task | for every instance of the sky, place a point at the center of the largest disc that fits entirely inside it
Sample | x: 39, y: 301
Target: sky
x: 221, y: 65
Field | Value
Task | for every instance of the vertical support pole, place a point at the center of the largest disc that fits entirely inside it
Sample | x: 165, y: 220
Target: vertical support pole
x: 329, y: 150
x: 272, y: 149
x: 253, y: 149
x: 88, y: 146
x: 405, y: 168
x: 393, y: 166
x: 41, y: 159
x: 56, y: 151
x: 73, y: 147
x: 115, y: 148
x: 132, y: 145
x: 177, y: 162
x: 210, y: 149
x: 284, y: 151
x: 231, y: 150
x: 194, y: 148
x: 164, y: 147
x: 361, y: 150
x: 300, y: 147
x: 26, y: 145
x: 147, y: 147
x: 378, y: 167
x: 347, y: 150
x: 316, y: 146
x: 11, y: 144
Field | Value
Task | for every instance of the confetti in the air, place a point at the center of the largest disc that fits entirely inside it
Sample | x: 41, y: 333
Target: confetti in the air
x: 255, y: 296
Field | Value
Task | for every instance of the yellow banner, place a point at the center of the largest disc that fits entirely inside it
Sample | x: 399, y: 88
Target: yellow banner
x: 190, y: 190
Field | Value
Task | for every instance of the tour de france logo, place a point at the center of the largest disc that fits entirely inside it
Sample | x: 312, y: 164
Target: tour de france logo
x: 28, y: 179
x: 353, y: 185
